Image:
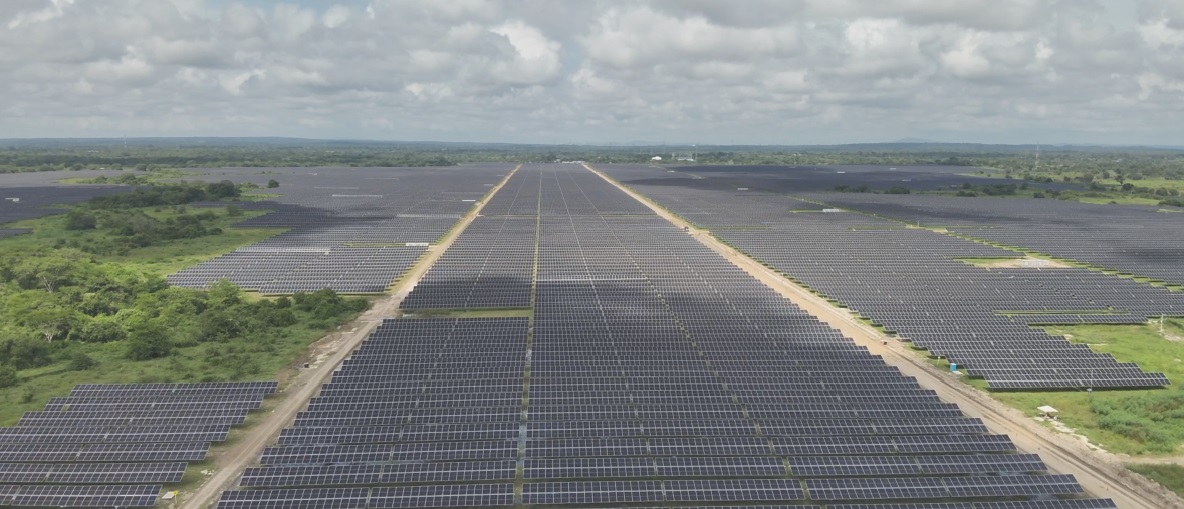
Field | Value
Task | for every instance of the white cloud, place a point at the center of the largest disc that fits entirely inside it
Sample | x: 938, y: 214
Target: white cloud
x: 536, y: 57
x: 757, y: 71
x: 336, y: 16
x: 55, y: 9
x: 1159, y: 34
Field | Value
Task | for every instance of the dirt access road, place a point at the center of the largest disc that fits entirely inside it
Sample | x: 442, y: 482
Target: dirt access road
x: 306, y: 383
x: 1101, y: 474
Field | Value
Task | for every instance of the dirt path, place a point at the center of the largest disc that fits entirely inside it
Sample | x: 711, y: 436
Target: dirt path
x: 1101, y: 474
x: 306, y: 383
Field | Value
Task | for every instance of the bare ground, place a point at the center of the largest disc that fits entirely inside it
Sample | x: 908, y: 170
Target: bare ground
x: 323, y: 358
x: 1100, y: 473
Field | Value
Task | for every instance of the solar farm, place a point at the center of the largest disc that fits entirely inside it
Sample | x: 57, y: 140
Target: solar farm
x: 572, y: 348
x: 651, y: 372
x: 874, y: 254
x: 25, y: 198
x: 354, y: 230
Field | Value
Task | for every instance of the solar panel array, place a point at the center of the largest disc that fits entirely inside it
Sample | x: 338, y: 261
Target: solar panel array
x: 491, y: 264
x: 1133, y: 239
x: 652, y: 372
x: 117, y: 445
x: 354, y: 230
x: 21, y: 198
x: 911, y: 281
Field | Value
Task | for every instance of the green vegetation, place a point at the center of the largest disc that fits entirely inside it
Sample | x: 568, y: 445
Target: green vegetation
x: 83, y: 299
x: 158, y: 255
x: 1169, y: 476
x: 1140, y: 165
x: 473, y: 313
x: 1123, y: 421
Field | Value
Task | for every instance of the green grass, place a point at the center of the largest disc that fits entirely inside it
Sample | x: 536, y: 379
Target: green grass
x: 163, y: 259
x: 981, y: 262
x: 1169, y: 476
x: 1118, y: 199
x: 258, y: 196
x: 473, y: 313
x: 1137, y: 422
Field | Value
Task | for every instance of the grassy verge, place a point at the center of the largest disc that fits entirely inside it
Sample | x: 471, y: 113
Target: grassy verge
x: 473, y: 313
x: 1136, y: 422
x: 1168, y: 476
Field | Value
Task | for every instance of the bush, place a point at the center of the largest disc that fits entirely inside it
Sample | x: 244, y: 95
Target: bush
x: 25, y: 353
x: 79, y: 220
x: 223, y: 189
x: 1173, y: 202
x: 1146, y: 419
x: 898, y: 190
x: 149, y: 341
x: 8, y: 377
x: 272, y: 184
x: 82, y: 362
x: 100, y: 330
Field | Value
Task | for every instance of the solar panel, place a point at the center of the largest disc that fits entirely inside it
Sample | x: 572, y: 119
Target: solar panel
x: 652, y: 371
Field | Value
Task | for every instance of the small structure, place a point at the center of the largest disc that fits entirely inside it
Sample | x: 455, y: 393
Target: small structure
x: 1047, y: 411
x: 656, y: 158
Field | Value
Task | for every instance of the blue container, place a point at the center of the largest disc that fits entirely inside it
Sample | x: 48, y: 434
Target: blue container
x: 953, y: 367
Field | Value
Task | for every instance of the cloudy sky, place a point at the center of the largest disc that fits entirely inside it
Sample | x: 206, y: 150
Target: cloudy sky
x: 592, y: 71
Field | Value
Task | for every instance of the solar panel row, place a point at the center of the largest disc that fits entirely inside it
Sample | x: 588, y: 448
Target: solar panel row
x: 116, y: 445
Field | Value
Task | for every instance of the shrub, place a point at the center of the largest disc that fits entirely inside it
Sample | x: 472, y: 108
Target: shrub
x: 25, y: 353
x: 8, y: 377
x: 100, y: 330
x: 272, y: 184
x: 79, y: 220
x: 81, y: 362
x: 150, y: 340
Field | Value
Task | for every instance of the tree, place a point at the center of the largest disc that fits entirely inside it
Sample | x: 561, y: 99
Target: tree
x: 223, y: 189
x: 150, y: 340
x: 50, y: 270
x: 224, y: 294
x: 51, y: 321
x: 272, y: 184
